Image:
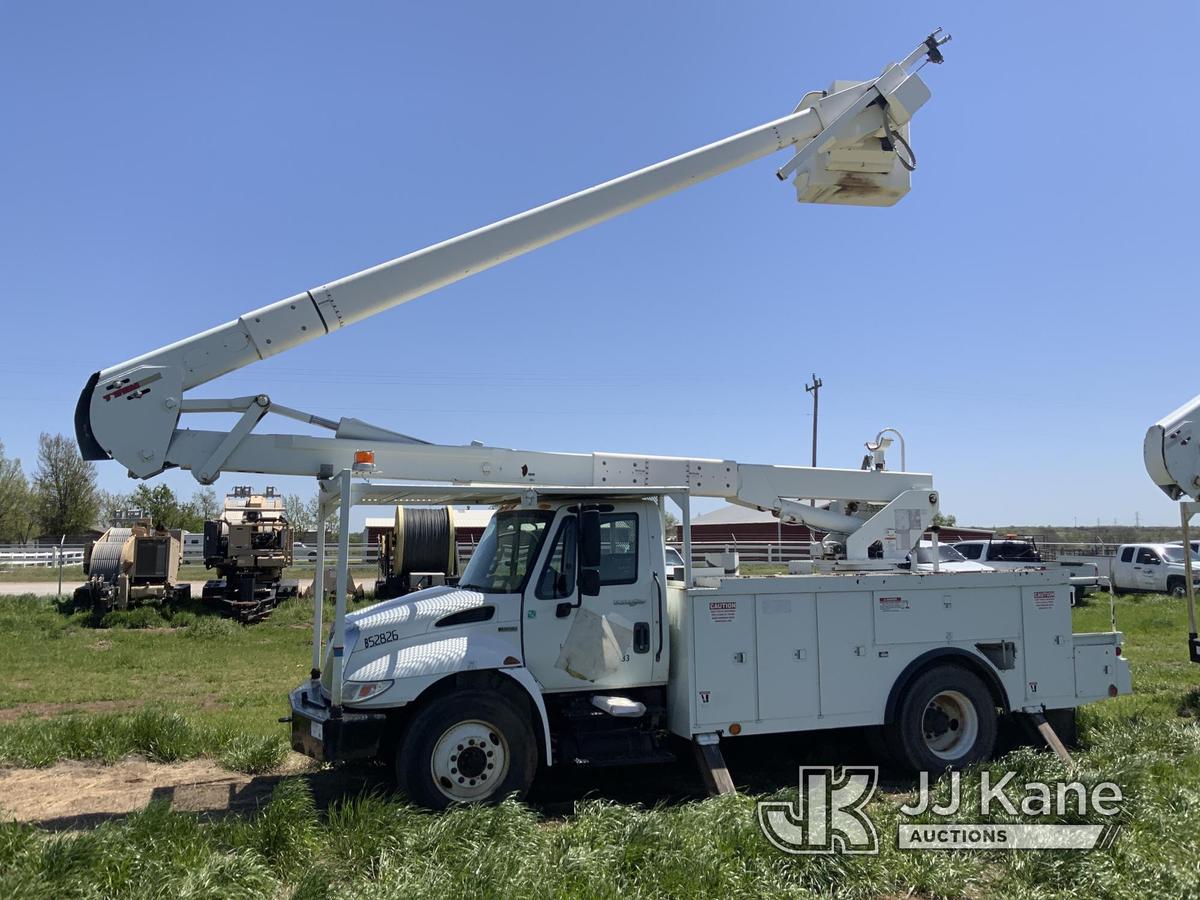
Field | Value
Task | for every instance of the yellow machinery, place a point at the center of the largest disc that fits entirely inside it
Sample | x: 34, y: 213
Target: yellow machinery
x: 128, y: 565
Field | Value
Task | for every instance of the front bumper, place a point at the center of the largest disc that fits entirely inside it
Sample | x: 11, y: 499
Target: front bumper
x: 328, y: 738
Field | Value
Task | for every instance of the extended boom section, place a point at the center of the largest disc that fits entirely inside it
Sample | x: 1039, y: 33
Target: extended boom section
x: 850, y: 145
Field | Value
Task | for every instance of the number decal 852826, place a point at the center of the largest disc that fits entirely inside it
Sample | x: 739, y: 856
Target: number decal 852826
x: 383, y: 637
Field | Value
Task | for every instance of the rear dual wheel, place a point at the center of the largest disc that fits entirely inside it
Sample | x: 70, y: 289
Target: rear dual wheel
x: 946, y: 719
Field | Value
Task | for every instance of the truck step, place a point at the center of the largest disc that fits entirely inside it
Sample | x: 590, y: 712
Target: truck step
x: 622, y: 707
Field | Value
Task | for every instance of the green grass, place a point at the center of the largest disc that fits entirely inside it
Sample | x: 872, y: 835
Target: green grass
x: 220, y: 677
x: 375, y: 846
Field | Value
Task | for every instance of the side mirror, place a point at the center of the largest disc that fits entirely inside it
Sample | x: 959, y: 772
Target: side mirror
x: 589, y: 539
x: 589, y: 582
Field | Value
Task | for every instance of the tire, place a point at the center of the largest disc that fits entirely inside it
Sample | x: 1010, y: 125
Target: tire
x: 946, y: 719
x: 1177, y: 587
x: 457, y: 742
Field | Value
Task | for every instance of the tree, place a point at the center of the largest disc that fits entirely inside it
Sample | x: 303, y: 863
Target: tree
x: 300, y: 516
x: 944, y: 521
x: 313, y: 510
x: 16, y: 519
x: 670, y: 523
x: 205, y: 504
x: 65, y: 498
x: 164, y: 509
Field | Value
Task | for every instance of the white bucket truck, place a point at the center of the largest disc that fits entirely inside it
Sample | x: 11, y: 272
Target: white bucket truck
x: 567, y: 640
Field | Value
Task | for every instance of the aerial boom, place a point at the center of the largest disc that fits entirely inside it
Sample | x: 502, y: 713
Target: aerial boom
x: 851, y: 146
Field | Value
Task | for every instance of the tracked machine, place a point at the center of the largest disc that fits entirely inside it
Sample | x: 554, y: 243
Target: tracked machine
x: 250, y: 547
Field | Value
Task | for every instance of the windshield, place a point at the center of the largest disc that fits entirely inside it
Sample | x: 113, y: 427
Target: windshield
x: 508, y: 548
x: 946, y: 553
x: 1173, y: 554
x: 673, y: 557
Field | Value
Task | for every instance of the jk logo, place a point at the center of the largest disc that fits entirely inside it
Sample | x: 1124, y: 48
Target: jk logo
x: 830, y: 817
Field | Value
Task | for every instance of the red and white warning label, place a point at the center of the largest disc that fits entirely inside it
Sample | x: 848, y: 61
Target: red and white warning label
x: 890, y: 604
x: 722, y: 610
x: 1043, y: 599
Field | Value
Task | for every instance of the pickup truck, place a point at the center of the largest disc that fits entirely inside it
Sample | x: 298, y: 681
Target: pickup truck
x: 1151, y: 568
x: 1011, y: 553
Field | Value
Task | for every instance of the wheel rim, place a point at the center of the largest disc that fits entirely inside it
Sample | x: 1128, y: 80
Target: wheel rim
x: 949, y: 725
x: 469, y: 760
x: 1179, y: 590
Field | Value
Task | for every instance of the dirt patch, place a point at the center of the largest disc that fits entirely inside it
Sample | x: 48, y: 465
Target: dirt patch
x: 46, y: 710
x: 73, y: 795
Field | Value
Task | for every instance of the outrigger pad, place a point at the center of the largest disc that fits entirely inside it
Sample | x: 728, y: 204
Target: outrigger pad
x: 712, y: 766
x: 1051, y: 738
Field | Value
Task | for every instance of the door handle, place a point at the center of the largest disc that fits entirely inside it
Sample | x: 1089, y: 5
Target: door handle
x: 658, y: 588
x: 641, y: 637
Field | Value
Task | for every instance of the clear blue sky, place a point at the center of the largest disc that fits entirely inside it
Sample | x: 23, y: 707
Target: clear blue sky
x: 1023, y: 315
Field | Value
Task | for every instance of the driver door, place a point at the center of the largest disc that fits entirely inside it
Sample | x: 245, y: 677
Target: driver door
x: 1148, y: 570
x: 575, y: 642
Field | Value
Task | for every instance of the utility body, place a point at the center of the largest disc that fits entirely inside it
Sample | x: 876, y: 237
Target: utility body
x: 556, y: 648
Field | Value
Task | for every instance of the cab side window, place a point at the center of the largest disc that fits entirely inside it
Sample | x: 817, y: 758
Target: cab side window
x: 618, y: 548
x: 1127, y: 555
x: 1147, y: 556
x: 971, y: 551
x: 557, y: 580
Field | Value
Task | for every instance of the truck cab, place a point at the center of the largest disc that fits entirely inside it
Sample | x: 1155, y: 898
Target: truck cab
x: 558, y: 606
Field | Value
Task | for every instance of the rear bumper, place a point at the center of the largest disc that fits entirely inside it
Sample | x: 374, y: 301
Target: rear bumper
x: 316, y: 732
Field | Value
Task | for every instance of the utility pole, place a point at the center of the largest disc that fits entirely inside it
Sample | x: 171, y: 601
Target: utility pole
x: 815, y: 390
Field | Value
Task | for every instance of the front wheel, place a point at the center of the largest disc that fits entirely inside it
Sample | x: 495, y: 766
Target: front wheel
x: 470, y: 746
x: 946, y: 719
x: 1177, y: 587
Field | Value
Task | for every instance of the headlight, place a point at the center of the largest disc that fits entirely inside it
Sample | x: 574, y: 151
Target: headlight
x: 357, y: 691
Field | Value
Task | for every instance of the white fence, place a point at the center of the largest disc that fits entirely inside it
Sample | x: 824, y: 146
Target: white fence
x: 21, y: 556
x: 1052, y: 552
x: 14, y: 556
x: 778, y: 552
